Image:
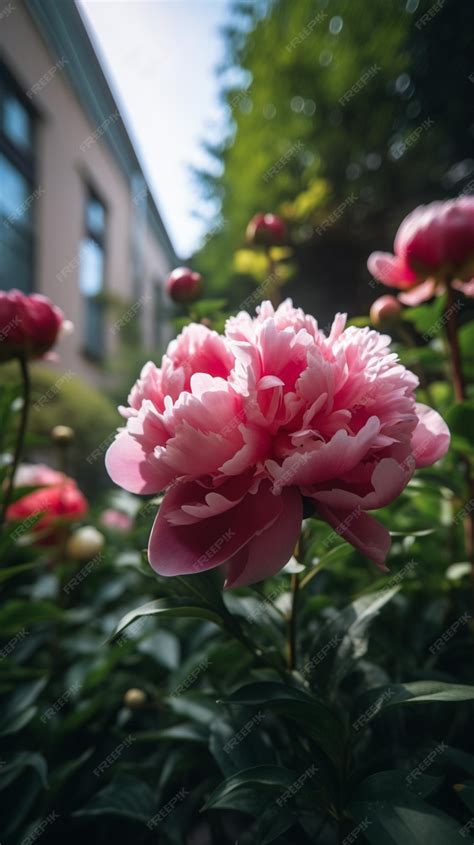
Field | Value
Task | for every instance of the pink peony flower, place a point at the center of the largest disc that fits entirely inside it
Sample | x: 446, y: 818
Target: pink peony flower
x: 239, y: 429
x: 116, y: 520
x: 434, y: 243
x: 57, y: 498
x: 29, y: 325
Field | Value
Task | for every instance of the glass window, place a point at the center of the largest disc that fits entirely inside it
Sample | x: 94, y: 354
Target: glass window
x: 16, y: 122
x: 17, y: 186
x: 92, y: 277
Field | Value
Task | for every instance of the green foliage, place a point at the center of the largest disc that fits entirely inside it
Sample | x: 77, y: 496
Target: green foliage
x: 64, y: 399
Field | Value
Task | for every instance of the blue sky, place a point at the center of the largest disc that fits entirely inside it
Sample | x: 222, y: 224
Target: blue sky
x: 160, y: 58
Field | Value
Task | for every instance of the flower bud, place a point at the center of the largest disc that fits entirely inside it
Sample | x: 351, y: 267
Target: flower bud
x: 29, y: 325
x: 266, y: 230
x: 183, y: 285
x: 62, y: 434
x: 385, y: 310
x: 134, y: 698
x: 85, y: 543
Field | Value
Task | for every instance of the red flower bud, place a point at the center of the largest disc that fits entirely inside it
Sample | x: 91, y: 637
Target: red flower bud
x: 384, y: 310
x: 183, y: 285
x: 29, y: 325
x: 266, y: 230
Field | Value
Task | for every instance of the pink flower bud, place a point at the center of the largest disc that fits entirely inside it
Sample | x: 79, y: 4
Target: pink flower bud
x: 266, y: 230
x: 29, y: 325
x: 183, y: 285
x: 384, y: 310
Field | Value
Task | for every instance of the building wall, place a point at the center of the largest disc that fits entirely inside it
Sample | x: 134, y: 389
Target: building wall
x: 68, y: 160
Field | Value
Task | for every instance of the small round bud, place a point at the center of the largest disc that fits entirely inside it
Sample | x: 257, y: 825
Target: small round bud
x: 62, y: 434
x: 385, y: 310
x: 134, y: 698
x: 85, y: 543
x: 266, y: 230
x: 183, y: 285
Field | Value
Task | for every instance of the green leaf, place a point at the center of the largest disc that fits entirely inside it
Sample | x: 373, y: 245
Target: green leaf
x: 19, y: 708
x: 344, y: 640
x: 125, y: 796
x: 273, y: 776
x: 185, y: 732
x: 466, y: 794
x: 321, y: 723
x: 460, y: 419
x: 167, y: 607
x: 389, y: 813
x: 378, y: 700
x: 11, y: 571
x: 14, y: 765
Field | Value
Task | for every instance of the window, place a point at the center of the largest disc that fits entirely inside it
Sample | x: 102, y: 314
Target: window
x: 92, y: 277
x: 17, y: 186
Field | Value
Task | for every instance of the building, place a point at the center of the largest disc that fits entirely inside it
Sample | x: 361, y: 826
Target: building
x: 77, y: 221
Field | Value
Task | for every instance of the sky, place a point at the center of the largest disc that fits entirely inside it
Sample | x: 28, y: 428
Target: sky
x: 160, y: 57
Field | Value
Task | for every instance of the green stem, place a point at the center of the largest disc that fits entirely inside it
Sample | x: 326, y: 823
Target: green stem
x: 292, y: 628
x: 19, y: 441
x: 452, y: 333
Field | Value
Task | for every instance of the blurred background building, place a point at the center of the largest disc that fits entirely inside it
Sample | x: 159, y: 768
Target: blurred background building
x: 77, y: 221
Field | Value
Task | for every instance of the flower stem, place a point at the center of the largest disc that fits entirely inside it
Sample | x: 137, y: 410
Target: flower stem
x: 20, y: 439
x: 460, y: 396
x: 292, y: 628
x: 453, y: 339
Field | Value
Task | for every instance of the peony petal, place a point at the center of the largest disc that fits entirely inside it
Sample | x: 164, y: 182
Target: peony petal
x: 188, y: 549
x: 388, y: 480
x: 269, y: 551
x: 419, y: 294
x: 390, y: 270
x: 360, y: 530
x: 131, y: 468
x: 431, y: 438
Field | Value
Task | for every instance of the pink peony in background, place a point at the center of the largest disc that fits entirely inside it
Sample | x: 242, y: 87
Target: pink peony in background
x: 239, y: 428
x: 434, y: 243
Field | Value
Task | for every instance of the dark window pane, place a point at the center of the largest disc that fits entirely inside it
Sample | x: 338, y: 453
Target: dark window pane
x: 16, y: 122
x: 15, y: 193
x: 93, y: 339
